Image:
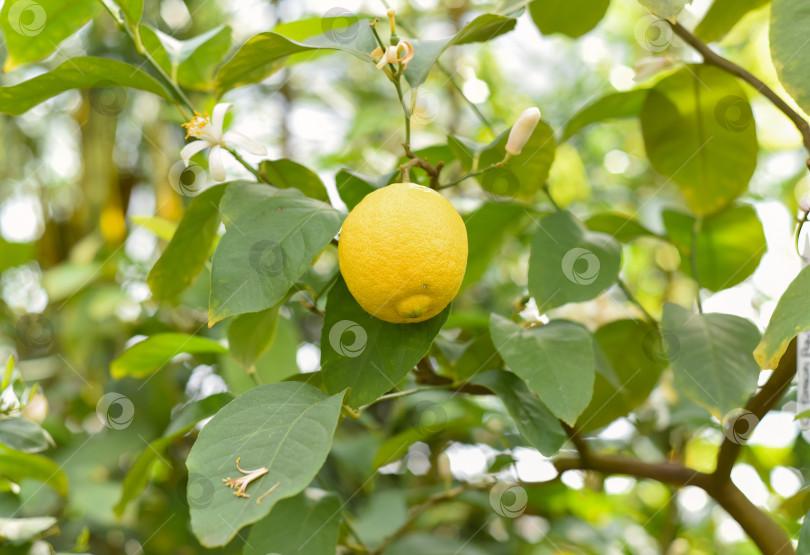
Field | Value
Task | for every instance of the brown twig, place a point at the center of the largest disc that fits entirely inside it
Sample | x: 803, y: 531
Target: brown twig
x: 432, y: 171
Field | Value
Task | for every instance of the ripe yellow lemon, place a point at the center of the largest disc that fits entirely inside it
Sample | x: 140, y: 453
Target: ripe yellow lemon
x: 403, y: 253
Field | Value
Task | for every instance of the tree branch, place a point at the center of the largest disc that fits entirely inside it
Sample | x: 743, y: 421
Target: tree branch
x: 616, y: 464
x: 710, y: 57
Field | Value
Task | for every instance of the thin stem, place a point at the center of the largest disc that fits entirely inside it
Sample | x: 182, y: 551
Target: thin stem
x: 802, y: 221
x: 469, y: 175
x: 256, y: 173
x: 712, y: 58
x: 469, y: 102
x: 403, y: 393
x: 406, y: 111
x: 553, y: 202
x: 630, y: 297
x: 694, y: 260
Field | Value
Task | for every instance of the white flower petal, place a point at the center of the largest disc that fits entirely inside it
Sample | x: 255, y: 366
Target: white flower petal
x: 218, y: 117
x: 216, y: 164
x: 191, y: 149
x: 237, y: 139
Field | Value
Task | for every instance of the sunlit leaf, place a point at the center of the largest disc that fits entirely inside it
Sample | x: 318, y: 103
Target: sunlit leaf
x: 24, y: 435
x: 788, y: 41
x: 17, y: 466
x: 722, y: 16
x: 190, y: 62
x: 612, y: 106
x: 251, y: 334
x: 667, y: 9
x: 624, y: 228
x: 156, y: 351
x: 791, y: 317
x: 286, y: 174
x: 569, y: 17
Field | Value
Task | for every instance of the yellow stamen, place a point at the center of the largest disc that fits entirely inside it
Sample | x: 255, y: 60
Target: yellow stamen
x: 197, y: 124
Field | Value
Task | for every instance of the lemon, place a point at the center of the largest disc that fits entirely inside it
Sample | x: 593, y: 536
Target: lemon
x: 403, y: 253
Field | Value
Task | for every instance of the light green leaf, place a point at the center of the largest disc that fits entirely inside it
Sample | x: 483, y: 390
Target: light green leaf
x: 133, y: 10
x: 791, y: 57
x: 190, y: 246
x: 271, y: 238
x: 629, y: 363
x: 251, y: 334
x: 161, y: 227
x: 17, y: 466
x: 668, y: 9
x: 699, y: 131
x: 8, y: 372
x: 33, y: 30
x: 802, y: 415
x: 523, y: 175
x: 624, y: 228
x: 712, y: 357
x: 189, y: 416
x: 24, y: 435
x: 804, y: 537
x: 427, y: 52
x: 487, y: 229
x: 286, y: 428
x: 21, y: 530
x: 155, y: 352
x: 189, y: 62
x: 730, y: 244
x: 76, y: 73
x: 791, y: 317
x: 722, y: 16
x: 624, y: 104
x: 533, y: 420
x: 556, y: 359
x: 568, y: 263
x: 364, y: 353
x: 286, y: 174
x: 302, y: 524
x: 569, y: 17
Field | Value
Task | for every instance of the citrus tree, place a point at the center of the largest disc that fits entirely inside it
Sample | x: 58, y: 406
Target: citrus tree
x: 425, y: 279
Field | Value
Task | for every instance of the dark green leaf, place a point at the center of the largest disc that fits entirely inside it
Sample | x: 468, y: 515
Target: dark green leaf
x: 251, y: 334
x: 190, y: 246
x: 286, y: 174
x: 791, y: 317
x: 353, y: 186
x: 615, y: 105
x: 730, y: 244
x: 76, y: 73
x: 711, y: 357
x: 556, y: 359
x: 301, y: 524
x: 804, y: 537
x: 699, y: 131
x: 24, y: 435
x: 629, y: 362
x: 568, y: 263
x: 155, y: 352
x: 791, y: 57
x: 286, y: 428
x: 17, y: 466
x: 366, y: 354
x: 624, y: 228
x: 722, y: 16
x: 33, y: 30
x: 569, y: 17
x: 534, y: 421
x: 480, y: 355
x: 487, y: 228
x: 271, y: 239
x: 463, y: 150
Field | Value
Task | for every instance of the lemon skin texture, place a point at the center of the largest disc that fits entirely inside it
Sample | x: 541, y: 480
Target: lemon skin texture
x: 403, y: 253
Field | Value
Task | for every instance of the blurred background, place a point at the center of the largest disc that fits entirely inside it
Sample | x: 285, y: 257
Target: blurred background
x: 85, y: 185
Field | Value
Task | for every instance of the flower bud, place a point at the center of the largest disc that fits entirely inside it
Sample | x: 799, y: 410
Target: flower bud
x: 522, y: 130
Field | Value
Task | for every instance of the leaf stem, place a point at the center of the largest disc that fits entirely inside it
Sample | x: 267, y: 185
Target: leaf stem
x: 256, y: 173
x: 694, y: 263
x: 802, y: 221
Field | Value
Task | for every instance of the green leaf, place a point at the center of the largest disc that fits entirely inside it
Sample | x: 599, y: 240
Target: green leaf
x: 76, y: 73
x: 730, y: 244
x: 788, y: 40
x: 487, y: 229
x: 8, y: 373
x: 533, y: 420
x: 33, y: 30
x: 624, y: 228
x: 711, y: 357
x: 161, y: 227
x: 804, y: 537
x: 523, y: 175
x: 189, y: 62
x: 722, y: 16
x: 271, y: 238
x: 479, y: 355
x: 556, y: 359
x: 265, y: 53
x: 17, y: 466
x: 628, y: 366
x: 791, y: 317
x: 20, y: 530
x: 190, y: 246
x: 284, y: 427
x: 133, y: 10
x: 353, y: 186
x: 155, y: 352
x: 24, y: 435
x: 802, y: 415
x: 569, y: 17
x: 612, y: 106
x: 364, y: 353
x: 286, y: 174
x: 463, y: 150
x: 301, y: 524
x: 250, y: 335
x: 568, y: 263
x: 189, y: 416
x: 699, y: 131
x: 427, y: 52
x: 668, y: 9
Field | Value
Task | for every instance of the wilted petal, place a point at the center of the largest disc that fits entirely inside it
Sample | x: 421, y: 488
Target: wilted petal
x: 216, y: 164
x: 407, y: 55
x: 236, y: 139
